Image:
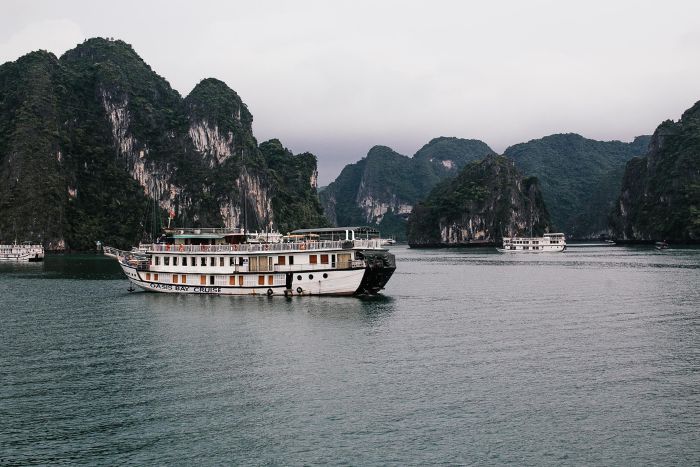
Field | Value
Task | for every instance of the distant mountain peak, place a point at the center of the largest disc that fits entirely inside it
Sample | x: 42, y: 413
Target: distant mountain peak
x: 380, y: 151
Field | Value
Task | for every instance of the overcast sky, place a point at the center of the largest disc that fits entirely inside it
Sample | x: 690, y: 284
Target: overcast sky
x: 338, y: 77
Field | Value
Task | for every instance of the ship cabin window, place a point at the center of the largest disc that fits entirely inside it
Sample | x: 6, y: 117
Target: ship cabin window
x: 344, y: 260
x: 202, y: 280
x: 313, y: 259
x: 174, y: 260
x: 211, y: 280
x: 281, y: 260
x: 270, y: 280
x: 155, y: 277
x: 231, y: 280
x: 184, y: 279
x: 148, y: 276
x: 166, y: 260
x: 203, y: 261
x: 240, y: 261
x: 194, y: 261
x: 212, y: 261
x: 261, y: 280
x: 291, y: 260
x: 184, y: 260
x: 221, y: 261
x: 157, y: 260
x: 175, y: 278
x: 324, y: 259
x: 240, y: 281
x: 260, y: 263
x: 232, y: 261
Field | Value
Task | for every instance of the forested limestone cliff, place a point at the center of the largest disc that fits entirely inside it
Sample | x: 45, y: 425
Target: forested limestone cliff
x: 580, y: 177
x: 660, y: 195
x: 381, y: 189
x: 90, y: 139
x: 489, y: 199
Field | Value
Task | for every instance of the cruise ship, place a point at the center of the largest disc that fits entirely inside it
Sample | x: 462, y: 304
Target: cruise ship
x: 549, y: 243
x: 22, y: 252
x: 326, y: 261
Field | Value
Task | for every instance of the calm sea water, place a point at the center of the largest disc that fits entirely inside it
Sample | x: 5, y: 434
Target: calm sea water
x: 470, y: 357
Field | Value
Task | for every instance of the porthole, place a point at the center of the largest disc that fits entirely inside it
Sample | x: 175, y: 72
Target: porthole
x: 311, y: 277
x: 299, y: 277
x: 325, y: 275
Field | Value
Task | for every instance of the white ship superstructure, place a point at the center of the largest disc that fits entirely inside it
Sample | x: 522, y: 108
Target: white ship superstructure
x: 550, y: 242
x: 22, y: 252
x: 334, y: 261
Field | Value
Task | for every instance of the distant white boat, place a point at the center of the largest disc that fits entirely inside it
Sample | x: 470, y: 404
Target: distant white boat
x: 22, y: 252
x: 549, y: 243
x: 388, y: 241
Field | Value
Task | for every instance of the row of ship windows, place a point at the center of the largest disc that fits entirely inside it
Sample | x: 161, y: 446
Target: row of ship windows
x: 213, y: 262
x: 204, y: 279
x: 240, y: 260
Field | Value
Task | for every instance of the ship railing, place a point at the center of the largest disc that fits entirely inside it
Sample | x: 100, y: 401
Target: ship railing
x: 266, y: 247
x: 205, y: 230
x: 131, y: 258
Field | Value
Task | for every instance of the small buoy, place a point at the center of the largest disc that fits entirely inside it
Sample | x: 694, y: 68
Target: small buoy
x: 299, y: 290
x: 131, y: 288
x: 269, y: 292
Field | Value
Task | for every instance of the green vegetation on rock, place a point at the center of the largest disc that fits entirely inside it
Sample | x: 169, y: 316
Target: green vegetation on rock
x: 90, y: 140
x: 660, y: 195
x: 381, y: 189
x: 580, y: 177
x: 487, y: 200
x: 295, y: 201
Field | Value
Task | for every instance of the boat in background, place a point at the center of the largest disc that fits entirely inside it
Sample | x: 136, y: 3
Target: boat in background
x: 22, y: 252
x: 548, y: 243
x: 661, y: 245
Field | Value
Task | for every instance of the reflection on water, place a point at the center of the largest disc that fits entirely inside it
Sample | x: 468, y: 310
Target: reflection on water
x: 470, y: 356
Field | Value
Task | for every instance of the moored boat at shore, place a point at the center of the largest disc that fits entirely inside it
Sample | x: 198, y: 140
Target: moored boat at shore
x: 22, y: 252
x: 548, y: 243
x: 330, y: 261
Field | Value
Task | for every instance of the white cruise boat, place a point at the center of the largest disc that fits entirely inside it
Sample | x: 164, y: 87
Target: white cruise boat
x: 332, y: 261
x: 549, y: 243
x: 22, y: 252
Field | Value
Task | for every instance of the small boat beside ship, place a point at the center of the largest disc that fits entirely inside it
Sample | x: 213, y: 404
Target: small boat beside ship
x: 548, y: 243
x: 326, y: 261
x: 22, y: 252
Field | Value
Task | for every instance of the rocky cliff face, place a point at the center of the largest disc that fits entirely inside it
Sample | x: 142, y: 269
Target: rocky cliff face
x: 580, y: 177
x: 489, y: 199
x: 31, y: 152
x: 381, y: 189
x: 660, y: 195
x: 88, y: 140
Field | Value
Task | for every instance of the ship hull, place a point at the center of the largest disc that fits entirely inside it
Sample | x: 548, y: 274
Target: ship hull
x: 346, y: 282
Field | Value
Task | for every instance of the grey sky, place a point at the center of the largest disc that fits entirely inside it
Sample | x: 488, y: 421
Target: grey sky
x: 337, y: 77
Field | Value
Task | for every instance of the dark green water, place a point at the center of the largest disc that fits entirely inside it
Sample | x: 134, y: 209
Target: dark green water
x: 590, y: 357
